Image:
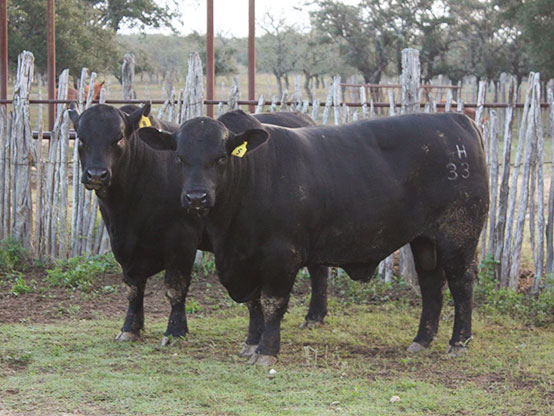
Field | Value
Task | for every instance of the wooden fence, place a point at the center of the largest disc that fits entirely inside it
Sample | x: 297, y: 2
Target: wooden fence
x: 44, y: 205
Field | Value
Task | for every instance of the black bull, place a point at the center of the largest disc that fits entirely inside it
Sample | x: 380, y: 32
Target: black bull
x: 139, y: 191
x: 344, y: 196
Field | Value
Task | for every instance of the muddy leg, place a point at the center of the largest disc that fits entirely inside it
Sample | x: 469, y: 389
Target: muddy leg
x: 134, y: 321
x: 177, y: 284
x: 274, y: 308
x: 318, y: 302
x: 461, y: 286
x: 255, y: 328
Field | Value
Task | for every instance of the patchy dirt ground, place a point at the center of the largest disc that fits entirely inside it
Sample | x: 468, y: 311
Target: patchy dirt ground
x: 107, y: 298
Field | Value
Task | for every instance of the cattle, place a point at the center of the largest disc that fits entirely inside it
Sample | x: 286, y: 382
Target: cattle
x: 139, y: 191
x: 468, y: 111
x: 275, y: 199
x: 73, y: 94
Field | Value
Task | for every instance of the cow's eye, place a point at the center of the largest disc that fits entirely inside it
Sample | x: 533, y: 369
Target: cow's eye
x: 82, y: 145
x: 178, y: 160
x: 119, y: 142
x: 221, y: 160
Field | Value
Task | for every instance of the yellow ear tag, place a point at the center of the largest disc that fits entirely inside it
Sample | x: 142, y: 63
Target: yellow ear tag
x: 240, y: 151
x: 144, y: 122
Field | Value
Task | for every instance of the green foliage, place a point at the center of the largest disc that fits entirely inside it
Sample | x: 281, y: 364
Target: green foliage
x: 79, y: 272
x: 141, y: 13
x: 80, y: 40
x: 374, y: 291
x: 206, y: 266
x: 20, y: 286
x: 12, y: 255
x: 492, y: 300
x: 193, y: 306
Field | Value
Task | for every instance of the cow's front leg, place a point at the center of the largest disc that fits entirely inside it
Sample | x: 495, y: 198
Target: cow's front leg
x: 273, y: 308
x: 318, y: 301
x: 255, y: 328
x: 134, y: 321
x: 177, y: 284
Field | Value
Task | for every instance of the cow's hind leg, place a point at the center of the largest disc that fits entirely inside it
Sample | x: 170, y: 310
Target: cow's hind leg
x: 318, y: 301
x: 460, y: 279
x: 431, y: 282
x: 255, y: 328
x: 134, y: 320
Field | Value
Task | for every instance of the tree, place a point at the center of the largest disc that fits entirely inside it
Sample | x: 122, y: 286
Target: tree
x: 79, y: 41
x: 535, y: 19
x: 366, y: 34
x: 113, y: 13
x: 278, y: 49
x: 319, y: 57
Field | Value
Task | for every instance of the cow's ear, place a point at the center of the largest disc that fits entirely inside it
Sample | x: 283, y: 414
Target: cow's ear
x: 139, y: 118
x: 240, y: 144
x: 74, y: 115
x: 157, y: 139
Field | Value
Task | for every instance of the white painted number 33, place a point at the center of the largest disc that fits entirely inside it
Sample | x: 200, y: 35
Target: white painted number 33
x: 462, y: 169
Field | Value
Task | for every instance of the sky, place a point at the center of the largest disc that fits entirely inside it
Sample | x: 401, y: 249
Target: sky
x: 231, y: 16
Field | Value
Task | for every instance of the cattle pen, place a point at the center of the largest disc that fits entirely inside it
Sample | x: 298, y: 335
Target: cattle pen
x: 43, y: 204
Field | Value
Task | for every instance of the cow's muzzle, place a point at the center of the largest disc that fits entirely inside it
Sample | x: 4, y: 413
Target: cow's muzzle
x: 95, y: 178
x: 196, y: 201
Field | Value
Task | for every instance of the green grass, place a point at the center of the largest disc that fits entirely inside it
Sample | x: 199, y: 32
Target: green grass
x: 80, y: 272
x: 352, y: 365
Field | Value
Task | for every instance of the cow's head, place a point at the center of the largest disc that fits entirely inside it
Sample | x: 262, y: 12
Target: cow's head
x: 204, y: 147
x: 104, y: 132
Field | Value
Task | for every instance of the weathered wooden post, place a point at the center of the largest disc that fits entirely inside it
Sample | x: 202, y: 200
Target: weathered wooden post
x: 409, y: 79
x: 505, y: 175
x: 193, y: 96
x: 550, y: 222
x: 539, y: 164
x: 22, y: 137
x: 128, y: 77
x: 493, y: 179
x: 337, y: 99
x: 260, y: 106
x: 524, y: 197
x: 3, y: 164
x: 234, y: 95
x: 328, y: 103
x: 511, y: 209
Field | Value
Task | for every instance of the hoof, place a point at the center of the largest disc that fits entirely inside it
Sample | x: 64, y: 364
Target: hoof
x: 248, y: 350
x: 262, y: 360
x: 170, y: 341
x: 126, y: 336
x: 416, y: 347
x: 456, y: 351
x: 310, y: 324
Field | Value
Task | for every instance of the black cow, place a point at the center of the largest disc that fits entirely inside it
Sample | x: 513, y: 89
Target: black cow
x: 344, y: 196
x: 139, y: 191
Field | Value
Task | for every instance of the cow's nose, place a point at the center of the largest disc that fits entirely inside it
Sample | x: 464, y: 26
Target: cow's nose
x: 195, y: 199
x: 97, y: 175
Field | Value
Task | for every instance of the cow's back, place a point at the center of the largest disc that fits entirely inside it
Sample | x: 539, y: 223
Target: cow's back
x: 362, y: 190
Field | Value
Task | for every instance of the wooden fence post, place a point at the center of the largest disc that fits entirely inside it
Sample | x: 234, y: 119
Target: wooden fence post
x: 4, y: 162
x: 327, y: 109
x: 493, y: 179
x: 23, y: 140
x: 410, y: 78
x: 507, y: 245
x: 524, y: 197
x: 505, y: 175
x: 539, y: 166
x: 128, y: 77
x: 193, y: 105
x: 411, y: 74
x: 550, y: 222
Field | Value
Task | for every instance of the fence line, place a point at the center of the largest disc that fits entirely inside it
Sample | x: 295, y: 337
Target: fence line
x: 66, y: 221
